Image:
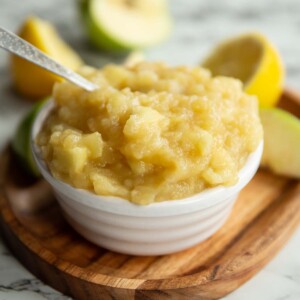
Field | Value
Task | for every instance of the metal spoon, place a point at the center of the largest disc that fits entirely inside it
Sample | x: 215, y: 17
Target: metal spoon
x: 18, y: 46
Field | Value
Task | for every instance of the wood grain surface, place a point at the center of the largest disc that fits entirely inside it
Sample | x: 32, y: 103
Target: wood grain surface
x: 264, y: 217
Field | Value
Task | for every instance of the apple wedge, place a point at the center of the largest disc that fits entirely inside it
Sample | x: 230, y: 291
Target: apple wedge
x: 116, y: 25
x: 21, y: 140
x: 281, y: 142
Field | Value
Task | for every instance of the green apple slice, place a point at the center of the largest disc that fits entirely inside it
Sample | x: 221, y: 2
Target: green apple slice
x: 21, y: 140
x: 281, y: 142
x: 134, y: 58
x: 116, y: 25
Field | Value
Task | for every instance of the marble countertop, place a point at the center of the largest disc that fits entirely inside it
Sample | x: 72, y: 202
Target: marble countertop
x: 199, y: 24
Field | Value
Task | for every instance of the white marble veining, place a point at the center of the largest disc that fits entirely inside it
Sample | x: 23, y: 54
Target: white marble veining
x: 198, y: 25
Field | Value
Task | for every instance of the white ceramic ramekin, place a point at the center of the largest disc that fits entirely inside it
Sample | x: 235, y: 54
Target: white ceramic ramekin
x: 156, y: 229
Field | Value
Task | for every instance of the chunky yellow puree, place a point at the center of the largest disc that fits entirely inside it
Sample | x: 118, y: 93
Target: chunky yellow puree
x: 150, y: 132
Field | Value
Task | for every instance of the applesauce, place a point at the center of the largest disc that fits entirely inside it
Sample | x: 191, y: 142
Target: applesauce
x: 150, y: 132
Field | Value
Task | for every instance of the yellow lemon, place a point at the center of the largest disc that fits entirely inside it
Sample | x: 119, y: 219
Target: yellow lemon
x: 30, y: 80
x: 255, y: 61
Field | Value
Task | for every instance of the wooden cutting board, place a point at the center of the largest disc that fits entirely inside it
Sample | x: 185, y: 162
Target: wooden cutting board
x: 264, y: 217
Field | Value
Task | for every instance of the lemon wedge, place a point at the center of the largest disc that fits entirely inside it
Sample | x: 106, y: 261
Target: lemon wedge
x: 255, y: 61
x: 32, y: 81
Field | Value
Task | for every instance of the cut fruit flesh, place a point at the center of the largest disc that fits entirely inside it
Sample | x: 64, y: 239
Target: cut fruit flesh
x: 254, y: 60
x: 281, y: 142
x: 30, y: 80
x: 125, y: 24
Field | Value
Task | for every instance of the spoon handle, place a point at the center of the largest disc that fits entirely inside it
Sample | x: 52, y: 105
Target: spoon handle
x: 20, y: 47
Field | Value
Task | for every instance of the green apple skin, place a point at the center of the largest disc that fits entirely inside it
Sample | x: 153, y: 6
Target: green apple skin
x: 21, y: 140
x: 281, y: 142
x: 99, y: 38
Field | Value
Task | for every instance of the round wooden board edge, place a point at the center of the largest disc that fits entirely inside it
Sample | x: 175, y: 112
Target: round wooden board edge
x: 202, y: 284
x: 61, y: 279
